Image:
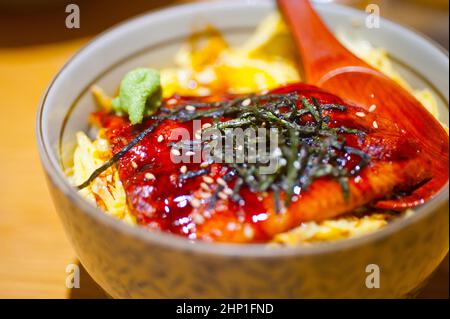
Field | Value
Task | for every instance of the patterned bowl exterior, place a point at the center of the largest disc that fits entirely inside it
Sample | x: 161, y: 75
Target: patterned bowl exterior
x: 127, y: 267
x: 129, y: 262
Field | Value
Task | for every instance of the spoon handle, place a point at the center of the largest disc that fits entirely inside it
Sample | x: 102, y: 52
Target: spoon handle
x: 321, y: 53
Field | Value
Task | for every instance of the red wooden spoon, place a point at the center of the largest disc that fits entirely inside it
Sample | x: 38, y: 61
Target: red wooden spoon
x: 329, y: 65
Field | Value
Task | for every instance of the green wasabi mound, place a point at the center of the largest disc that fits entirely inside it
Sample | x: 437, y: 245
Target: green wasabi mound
x: 140, y: 94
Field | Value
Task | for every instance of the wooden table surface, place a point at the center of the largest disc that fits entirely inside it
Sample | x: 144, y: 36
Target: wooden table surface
x: 34, y: 250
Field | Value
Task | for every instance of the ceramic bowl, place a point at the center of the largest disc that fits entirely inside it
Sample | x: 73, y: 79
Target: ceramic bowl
x: 132, y: 262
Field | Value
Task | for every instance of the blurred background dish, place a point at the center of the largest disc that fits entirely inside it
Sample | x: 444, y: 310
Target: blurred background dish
x: 427, y: 16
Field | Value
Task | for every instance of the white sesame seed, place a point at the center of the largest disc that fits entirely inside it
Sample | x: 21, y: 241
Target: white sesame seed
x: 206, y: 125
x: 190, y: 108
x: 175, y: 152
x: 204, y: 164
x: 195, y: 202
x: 246, y: 102
x: 277, y: 152
x: 149, y: 176
x: 372, y: 96
x: 358, y: 179
x: 133, y: 163
x: 172, y: 101
x: 216, y: 232
x: 228, y: 191
x: 248, y: 231
x: 208, y: 179
x: 160, y: 138
x: 375, y: 124
x: 360, y: 114
x: 372, y: 108
x: 198, y: 218
x: 221, y: 181
x: 222, y: 195
x: 183, y: 169
x: 205, y: 187
x: 190, y: 153
x: 231, y: 226
x: 204, y: 195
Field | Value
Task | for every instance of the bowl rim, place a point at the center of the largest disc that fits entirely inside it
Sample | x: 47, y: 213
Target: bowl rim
x: 160, y: 238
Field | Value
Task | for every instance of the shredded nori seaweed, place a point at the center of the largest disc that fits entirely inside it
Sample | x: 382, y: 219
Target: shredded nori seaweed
x: 308, y: 151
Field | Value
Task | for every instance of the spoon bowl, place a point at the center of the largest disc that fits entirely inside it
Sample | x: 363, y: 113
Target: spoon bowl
x: 329, y: 65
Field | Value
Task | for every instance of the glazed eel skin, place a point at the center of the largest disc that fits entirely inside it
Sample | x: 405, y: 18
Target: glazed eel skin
x: 159, y: 200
